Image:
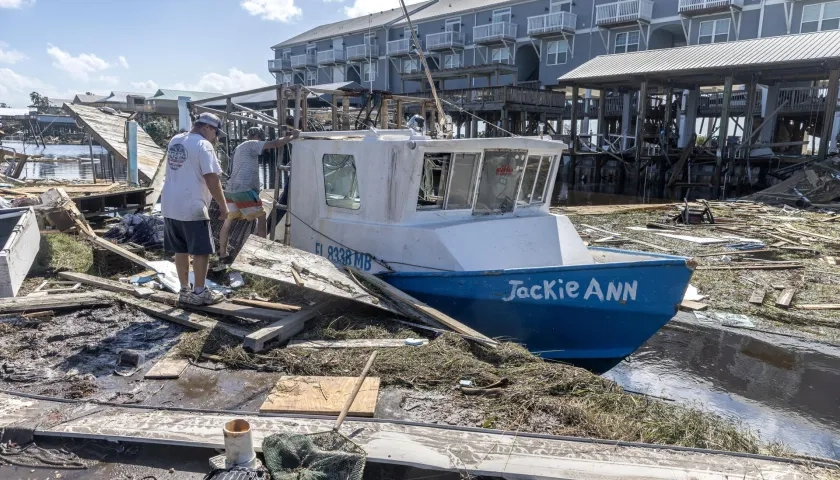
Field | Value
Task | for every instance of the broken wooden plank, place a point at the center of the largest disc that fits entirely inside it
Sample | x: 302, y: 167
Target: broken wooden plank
x: 54, y: 302
x: 757, y: 297
x: 769, y: 266
x: 283, y: 329
x: 120, y: 251
x: 784, y: 298
x: 354, y: 343
x: 691, y: 238
x: 600, y: 230
x: 157, y: 183
x: 417, y: 309
x: 268, y: 305
x: 818, y: 306
x: 273, y: 260
x: 733, y: 252
x: 830, y: 260
x: 693, y: 306
x: 650, y: 245
x: 169, y: 366
x: 812, y: 177
x: 223, y: 308
x: 814, y: 235
x: 321, y: 396
x: 181, y: 317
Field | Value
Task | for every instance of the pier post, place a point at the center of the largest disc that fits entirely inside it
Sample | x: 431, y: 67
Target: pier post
x: 830, y: 109
x: 746, y: 138
x: 688, y: 120
x: 584, y: 124
x: 282, y: 105
x: 345, y: 111
x: 384, y: 114
x: 296, y: 109
x: 640, y: 132
x: 722, y: 134
x: 132, y: 153
x: 183, y: 114
x: 573, y: 133
x: 400, y: 119
x: 769, y: 106
x: 626, y: 104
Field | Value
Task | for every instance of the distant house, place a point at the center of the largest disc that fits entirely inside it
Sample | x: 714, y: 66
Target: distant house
x: 165, y: 101
x: 87, y: 99
x: 54, y: 107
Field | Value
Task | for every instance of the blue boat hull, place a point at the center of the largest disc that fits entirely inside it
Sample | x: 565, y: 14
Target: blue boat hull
x: 591, y: 316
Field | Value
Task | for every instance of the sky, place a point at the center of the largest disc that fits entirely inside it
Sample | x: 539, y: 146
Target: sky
x: 63, y: 47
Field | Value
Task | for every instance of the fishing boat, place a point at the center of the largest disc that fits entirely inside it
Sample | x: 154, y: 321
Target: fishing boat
x: 464, y: 225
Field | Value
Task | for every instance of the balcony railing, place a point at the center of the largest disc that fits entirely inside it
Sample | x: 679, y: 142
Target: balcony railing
x: 328, y: 57
x: 626, y: 11
x: 518, y: 95
x: 803, y: 99
x: 712, y: 103
x: 401, y: 47
x: 445, y: 40
x: 279, y: 64
x: 552, y: 23
x: 494, y: 32
x: 303, y: 60
x: 703, y: 6
x: 358, y: 52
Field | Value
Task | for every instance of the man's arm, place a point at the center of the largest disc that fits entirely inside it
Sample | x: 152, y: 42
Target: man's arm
x: 281, y: 141
x: 214, y: 184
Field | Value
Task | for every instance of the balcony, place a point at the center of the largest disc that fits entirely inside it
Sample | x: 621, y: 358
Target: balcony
x: 698, y: 7
x: 445, y: 40
x: 400, y: 48
x: 331, y: 57
x: 498, y: 32
x: 279, y: 64
x: 624, y: 12
x: 360, y: 52
x: 303, y: 61
x: 552, y: 23
x: 803, y: 99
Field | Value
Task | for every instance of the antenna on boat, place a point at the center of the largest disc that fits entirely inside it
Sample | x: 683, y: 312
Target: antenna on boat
x: 443, y: 125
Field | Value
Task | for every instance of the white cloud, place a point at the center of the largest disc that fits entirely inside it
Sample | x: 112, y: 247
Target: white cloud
x: 16, y: 3
x: 279, y: 10
x: 15, y: 88
x: 147, y: 86
x: 364, y: 7
x: 108, y: 79
x: 123, y: 62
x: 8, y: 55
x: 79, y: 67
x: 333, y: 1
x: 235, y: 81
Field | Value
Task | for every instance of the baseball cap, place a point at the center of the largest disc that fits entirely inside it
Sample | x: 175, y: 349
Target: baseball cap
x: 208, y: 118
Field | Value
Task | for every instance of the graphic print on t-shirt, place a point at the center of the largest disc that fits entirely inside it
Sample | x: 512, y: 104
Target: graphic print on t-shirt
x: 176, y: 156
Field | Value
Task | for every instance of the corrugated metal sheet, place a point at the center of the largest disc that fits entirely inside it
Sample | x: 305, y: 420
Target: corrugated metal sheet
x: 171, y: 94
x: 448, y: 8
x: 744, y: 53
x: 88, y: 98
x: 351, y: 25
x: 270, y: 97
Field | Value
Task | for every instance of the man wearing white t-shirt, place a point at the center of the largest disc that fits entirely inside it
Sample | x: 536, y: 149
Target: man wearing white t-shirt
x: 192, y: 180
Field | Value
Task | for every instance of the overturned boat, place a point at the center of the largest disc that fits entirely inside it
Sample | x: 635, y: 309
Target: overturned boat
x: 464, y: 225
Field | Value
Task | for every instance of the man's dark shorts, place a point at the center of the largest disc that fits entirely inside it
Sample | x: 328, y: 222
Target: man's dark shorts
x: 191, y: 237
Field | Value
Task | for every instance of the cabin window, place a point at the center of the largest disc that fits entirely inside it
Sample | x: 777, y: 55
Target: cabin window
x: 341, y: 185
x: 534, y: 179
x: 433, y: 181
x: 462, y: 184
x: 501, y: 172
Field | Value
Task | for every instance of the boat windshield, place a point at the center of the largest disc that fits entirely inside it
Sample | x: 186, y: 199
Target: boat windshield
x: 341, y: 185
x: 501, y: 173
x: 448, y: 181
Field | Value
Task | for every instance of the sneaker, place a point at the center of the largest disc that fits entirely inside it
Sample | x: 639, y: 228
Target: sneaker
x: 207, y: 297
x: 184, y: 293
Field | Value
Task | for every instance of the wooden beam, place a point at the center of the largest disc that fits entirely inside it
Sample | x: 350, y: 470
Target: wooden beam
x: 757, y: 297
x: 282, y: 330
x: 819, y: 306
x: 181, y: 317
x: 352, y: 343
x: 55, y: 302
x: 722, y: 134
x: 268, y: 305
x: 416, y: 309
x: 169, y: 366
x: 784, y: 298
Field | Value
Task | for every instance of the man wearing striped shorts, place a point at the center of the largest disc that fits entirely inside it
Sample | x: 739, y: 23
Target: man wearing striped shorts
x: 242, y: 192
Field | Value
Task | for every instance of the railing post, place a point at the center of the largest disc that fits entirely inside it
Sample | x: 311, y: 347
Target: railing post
x: 640, y: 131
x: 830, y: 109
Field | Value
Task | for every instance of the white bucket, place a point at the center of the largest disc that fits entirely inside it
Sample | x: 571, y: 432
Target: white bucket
x: 239, y: 447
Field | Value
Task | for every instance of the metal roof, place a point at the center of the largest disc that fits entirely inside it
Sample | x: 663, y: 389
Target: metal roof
x: 351, y: 25
x: 171, y: 94
x: 449, y: 8
x: 88, y: 98
x: 800, y: 56
x: 13, y: 112
x: 270, y: 97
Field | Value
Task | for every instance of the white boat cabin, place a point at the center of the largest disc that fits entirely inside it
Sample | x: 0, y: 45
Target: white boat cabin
x: 395, y: 199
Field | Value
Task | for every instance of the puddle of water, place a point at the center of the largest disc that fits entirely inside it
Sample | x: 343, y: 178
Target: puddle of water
x: 55, y: 164
x: 788, y: 395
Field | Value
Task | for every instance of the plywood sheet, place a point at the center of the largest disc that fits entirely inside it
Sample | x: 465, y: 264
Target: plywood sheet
x: 693, y: 239
x: 169, y: 366
x: 110, y: 132
x: 321, y: 396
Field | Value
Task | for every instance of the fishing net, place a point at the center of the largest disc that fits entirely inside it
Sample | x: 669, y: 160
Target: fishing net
x: 145, y: 230
x: 319, y: 456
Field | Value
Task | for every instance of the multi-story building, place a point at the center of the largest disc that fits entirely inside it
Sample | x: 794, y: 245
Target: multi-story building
x: 476, y: 43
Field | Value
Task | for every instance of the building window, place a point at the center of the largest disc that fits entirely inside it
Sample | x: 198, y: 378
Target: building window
x: 501, y: 172
x: 370, y: 39
x: 819, y: 17
x: 407, y: 32
x: 501, y: 15
x: 411, y: 65
x: 557, y: 52
x: 714, y: 31
x: 627, y: 42
x: 500, y: 55
x: 453, y: 60
x: 557, y: 6
x: 311, y: 49
x: 287, y: 54
x: 341, y: 185
x: 369, y: 72
x: 453, y: 24
x: 311, y: 77
x: 286, y: 79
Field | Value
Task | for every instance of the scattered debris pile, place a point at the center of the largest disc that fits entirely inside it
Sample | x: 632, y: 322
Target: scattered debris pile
x: 815, y: 185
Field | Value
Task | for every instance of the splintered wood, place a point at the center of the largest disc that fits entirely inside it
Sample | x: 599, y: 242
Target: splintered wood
x: 784, y: 298
x: 757, y: 297
x: 321, y: 396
